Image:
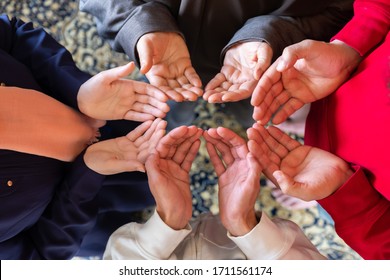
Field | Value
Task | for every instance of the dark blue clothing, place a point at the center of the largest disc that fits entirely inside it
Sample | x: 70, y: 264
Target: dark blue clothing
x: 47, y: 207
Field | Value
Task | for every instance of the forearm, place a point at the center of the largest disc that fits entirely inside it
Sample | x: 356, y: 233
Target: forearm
x: 35, y: 123
x: 51, y: 65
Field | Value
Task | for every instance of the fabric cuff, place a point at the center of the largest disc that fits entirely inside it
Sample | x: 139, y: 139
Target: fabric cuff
x: 158, y: 239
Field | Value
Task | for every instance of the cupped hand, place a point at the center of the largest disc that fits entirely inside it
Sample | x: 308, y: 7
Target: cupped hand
x: 165, y: 60
x: 306, y: 72
x: 109, y: 96
x: 238, y: 179
x: 243, y: 65
x: 302, y: 171
x: 126, y: 153
x: 168, y: 175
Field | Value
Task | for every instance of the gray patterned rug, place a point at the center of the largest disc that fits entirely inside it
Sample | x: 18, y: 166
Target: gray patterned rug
x: 77, y: 32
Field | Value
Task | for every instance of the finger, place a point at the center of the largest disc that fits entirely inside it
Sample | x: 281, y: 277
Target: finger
x: 193, y: 77
x: 283, y: 139
x: 287, y: 110
x: 290, y: 55
x: 118, y: 166
x: 140, y: 117
x: 149, y: 90
x: 187, y: 94
x: 264, y: 58
x: 117, y: 73
x: 152, y: 167
x: 216, y: 82
x: 171, y: 140
x: 212, y: 137
x: 237, y: 95
x: 287, y: 184
x: 150, y: 100
x: 148, y: 109
x: 237, y: 144
x: 190, y: 156
x: 139, y: 131
x: 146, y: 147
x: 185, y: 146
x: 254, y: 169
x: 269, y: 78
x: 219, y: 166
x: 215, y: 97
x: 145, y: 53
x: 260, y: 149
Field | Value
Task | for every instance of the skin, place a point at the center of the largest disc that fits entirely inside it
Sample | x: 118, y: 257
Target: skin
x: 127, y: 153
x: 306, y: 72
x: 109, y: 96
x: 242, y: 67
x: 299, y: 170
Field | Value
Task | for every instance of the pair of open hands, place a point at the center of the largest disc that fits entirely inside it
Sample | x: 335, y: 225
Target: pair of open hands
x: 296, y: 78
x: 302, y: 171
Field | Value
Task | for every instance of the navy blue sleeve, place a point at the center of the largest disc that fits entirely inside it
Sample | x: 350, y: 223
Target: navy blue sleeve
x: 70, y: 215
x: 49, y: 62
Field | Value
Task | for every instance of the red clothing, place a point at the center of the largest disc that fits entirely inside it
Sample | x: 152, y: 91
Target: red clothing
x: 353, y: 123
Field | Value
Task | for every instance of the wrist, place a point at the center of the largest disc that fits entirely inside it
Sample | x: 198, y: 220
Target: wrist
x: 243, y: 226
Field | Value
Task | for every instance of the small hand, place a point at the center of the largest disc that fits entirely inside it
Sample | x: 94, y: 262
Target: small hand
x: 126, y: 153
x: 168, y: 174
x: 108, y: 96
x: 166, y: 62
x: 301, y: 171
x: 306, y: 72
x: 238, y: 179
x: 242, y: 67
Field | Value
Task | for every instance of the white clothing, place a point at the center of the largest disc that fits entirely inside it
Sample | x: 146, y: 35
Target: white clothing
x: 206, y: 238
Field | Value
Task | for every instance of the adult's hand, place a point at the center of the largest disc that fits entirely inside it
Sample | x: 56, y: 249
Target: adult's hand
x: 302, y: 171
x: 238, y: 179
x: 242, y: 67
x: 108, y: 96
x: 168, y: 175
x: 165, y: 60
x: 306, y: 72
x: 126, y: 153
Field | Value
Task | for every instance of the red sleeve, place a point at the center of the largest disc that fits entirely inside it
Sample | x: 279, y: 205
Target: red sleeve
x: 361, y: 216
x: 369, y: 25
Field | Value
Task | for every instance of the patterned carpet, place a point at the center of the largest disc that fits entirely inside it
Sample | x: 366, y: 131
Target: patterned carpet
x: 77, y: 32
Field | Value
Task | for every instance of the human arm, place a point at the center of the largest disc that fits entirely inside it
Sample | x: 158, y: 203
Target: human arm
x: 125, y: 153
x: 284, y: 26
x: 71, y: 213
x: 148, y: 33
x: 168, y: 176
x: 50, y: 64
x: 312, y: 70
x: 33, y: 122
x: 361, y: 215
x: 108, y: 96
x: 302, y: 171
x: 255, y: 234
x: 243, y: 65
x: 238, y: 179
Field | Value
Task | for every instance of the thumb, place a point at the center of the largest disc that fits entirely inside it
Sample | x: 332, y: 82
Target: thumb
x: 145, y: 54
x: 285, y: 182
x: 293, y: 53
x: 119, y: 72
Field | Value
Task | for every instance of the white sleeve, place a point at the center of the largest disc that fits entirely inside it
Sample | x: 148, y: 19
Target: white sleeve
x: 276, y: 239
x: 152, y: 240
